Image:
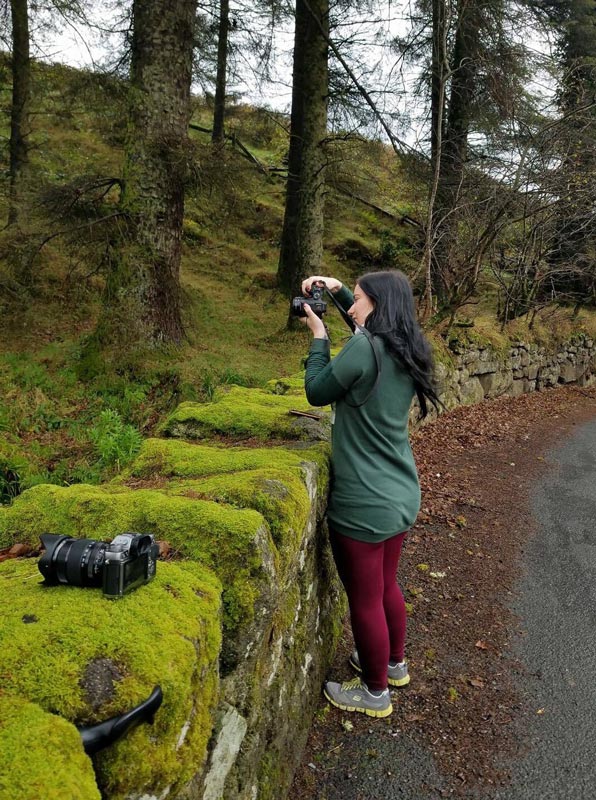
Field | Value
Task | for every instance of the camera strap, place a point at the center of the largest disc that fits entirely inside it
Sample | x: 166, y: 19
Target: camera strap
x: 353, y: 326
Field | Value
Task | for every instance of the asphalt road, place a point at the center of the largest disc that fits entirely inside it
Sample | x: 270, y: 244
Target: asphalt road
x: 557, y: 609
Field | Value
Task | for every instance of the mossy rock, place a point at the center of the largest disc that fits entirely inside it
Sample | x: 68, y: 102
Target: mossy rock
x: 280, y: 495
x: 235, y: 543
x: 84, y: 657
x: 292, y: 385
x: 174, y: 458
x: 245, y: 413
x: 41, y: 755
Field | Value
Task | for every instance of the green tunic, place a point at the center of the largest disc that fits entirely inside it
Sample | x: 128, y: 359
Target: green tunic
x: 374, y: 484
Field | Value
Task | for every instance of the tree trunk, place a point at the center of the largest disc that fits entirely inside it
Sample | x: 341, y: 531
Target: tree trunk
x: 455, y: 147
x: 222, y: 65
x: 301, y: 250
x: 575, y: 227
x: 143, y: 290
x: 440, y: 72
x: 21, y: 95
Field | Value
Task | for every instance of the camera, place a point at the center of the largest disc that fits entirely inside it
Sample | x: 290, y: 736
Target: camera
x: 315, y: 301
x: 118, y: 567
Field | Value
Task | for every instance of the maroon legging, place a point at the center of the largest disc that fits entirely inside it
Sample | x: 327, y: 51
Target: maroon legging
x: 377, y: 609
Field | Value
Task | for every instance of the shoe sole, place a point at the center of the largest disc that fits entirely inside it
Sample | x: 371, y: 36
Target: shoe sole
x: 390, y: 681
x: 370, y: 712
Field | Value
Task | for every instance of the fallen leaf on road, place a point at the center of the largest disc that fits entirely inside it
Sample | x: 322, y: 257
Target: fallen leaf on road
x: 477, y: 682
x: 481, y: 645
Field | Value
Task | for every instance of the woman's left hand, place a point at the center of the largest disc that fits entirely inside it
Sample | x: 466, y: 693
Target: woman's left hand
x: 315, y: 323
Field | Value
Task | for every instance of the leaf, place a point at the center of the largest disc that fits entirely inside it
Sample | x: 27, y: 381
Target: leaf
x: 437, y: 574
x: 477, y: 682
x: 481, y: 645
x: 422, y: 567
x: 347, y: 725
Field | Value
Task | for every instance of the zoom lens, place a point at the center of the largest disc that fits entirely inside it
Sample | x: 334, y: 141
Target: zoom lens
x: 78, y: 562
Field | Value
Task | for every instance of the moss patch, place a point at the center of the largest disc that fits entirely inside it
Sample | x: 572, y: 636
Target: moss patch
x: 280, y: 495
x: 241, y: 413
x: 174, y: 458
x: 41, y: 755
x: 292, y: 385
x: 166, y: 633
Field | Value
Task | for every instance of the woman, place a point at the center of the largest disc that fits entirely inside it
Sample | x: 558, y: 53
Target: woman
x: 375, y: 494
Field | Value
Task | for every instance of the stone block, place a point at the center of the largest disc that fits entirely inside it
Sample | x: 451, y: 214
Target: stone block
x: 471, y: 392
x: 569, y: 372
x: 496, y: 384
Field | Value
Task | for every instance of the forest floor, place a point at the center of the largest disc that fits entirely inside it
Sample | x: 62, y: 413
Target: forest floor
x: 462, y: 718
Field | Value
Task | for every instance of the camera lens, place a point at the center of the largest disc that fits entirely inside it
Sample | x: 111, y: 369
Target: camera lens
x: 297, y: 307
x: 78, y: 562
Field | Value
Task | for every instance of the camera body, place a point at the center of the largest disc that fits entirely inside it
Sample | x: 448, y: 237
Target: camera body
x: 315, y: 301
x: 129, y: 562
x: 118, y: 567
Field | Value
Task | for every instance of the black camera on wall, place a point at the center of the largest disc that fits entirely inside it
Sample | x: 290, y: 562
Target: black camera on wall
x: 118, y: 567
x: 315, y: 301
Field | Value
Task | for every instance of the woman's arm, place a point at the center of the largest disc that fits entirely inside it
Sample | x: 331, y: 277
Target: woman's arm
x: 326, y: 381
x: 320, y: 385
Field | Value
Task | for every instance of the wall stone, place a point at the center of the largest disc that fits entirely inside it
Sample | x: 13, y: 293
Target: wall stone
x: 479, y: 372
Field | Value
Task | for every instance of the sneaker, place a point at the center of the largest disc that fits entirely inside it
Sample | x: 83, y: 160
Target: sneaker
x: 355, y: 696
x: 396, y: 675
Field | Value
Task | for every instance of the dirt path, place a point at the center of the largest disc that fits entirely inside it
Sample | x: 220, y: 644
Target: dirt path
x: 462, y: 718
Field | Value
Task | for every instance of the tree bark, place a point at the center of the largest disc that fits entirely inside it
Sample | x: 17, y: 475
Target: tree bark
x: 222, y: 66
x: 143, y: 290
x: 440, y: 71
x: 21, y: 96
x: 455, y: 147
x: 301, y: 250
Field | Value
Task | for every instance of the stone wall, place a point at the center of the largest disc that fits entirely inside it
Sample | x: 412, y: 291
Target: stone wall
x: 474, y: 372
x: 238, y: 626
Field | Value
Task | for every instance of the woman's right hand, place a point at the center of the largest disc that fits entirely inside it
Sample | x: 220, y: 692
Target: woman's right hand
x: 332, y: 283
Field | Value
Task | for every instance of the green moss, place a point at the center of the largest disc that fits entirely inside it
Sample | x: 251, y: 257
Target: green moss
x: 174, y: 458
x: 41, y: 755
x: 278, y: 494
x: 239, y: 412
x: 440, y: 350
x: 166, y: 632
x: 292, y: 385
x: 223, y: 538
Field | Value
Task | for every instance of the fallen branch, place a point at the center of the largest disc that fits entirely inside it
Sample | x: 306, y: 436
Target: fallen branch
x: 235, y: 143
x: 404, y: 219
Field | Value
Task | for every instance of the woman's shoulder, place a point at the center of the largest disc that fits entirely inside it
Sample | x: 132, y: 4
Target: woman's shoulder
x: 358, y: 345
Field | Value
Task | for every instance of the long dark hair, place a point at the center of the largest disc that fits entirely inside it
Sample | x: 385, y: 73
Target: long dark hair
x: 394, y: 320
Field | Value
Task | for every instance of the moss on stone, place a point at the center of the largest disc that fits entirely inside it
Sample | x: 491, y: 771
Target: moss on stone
x: 224, y: 538
x: 280, y: 495
x: 41, y: 755
x: 239, y: 412
x: 175, y: 458
x: 441, y: 353
x: 166, y: 632
x: 292, y: 385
